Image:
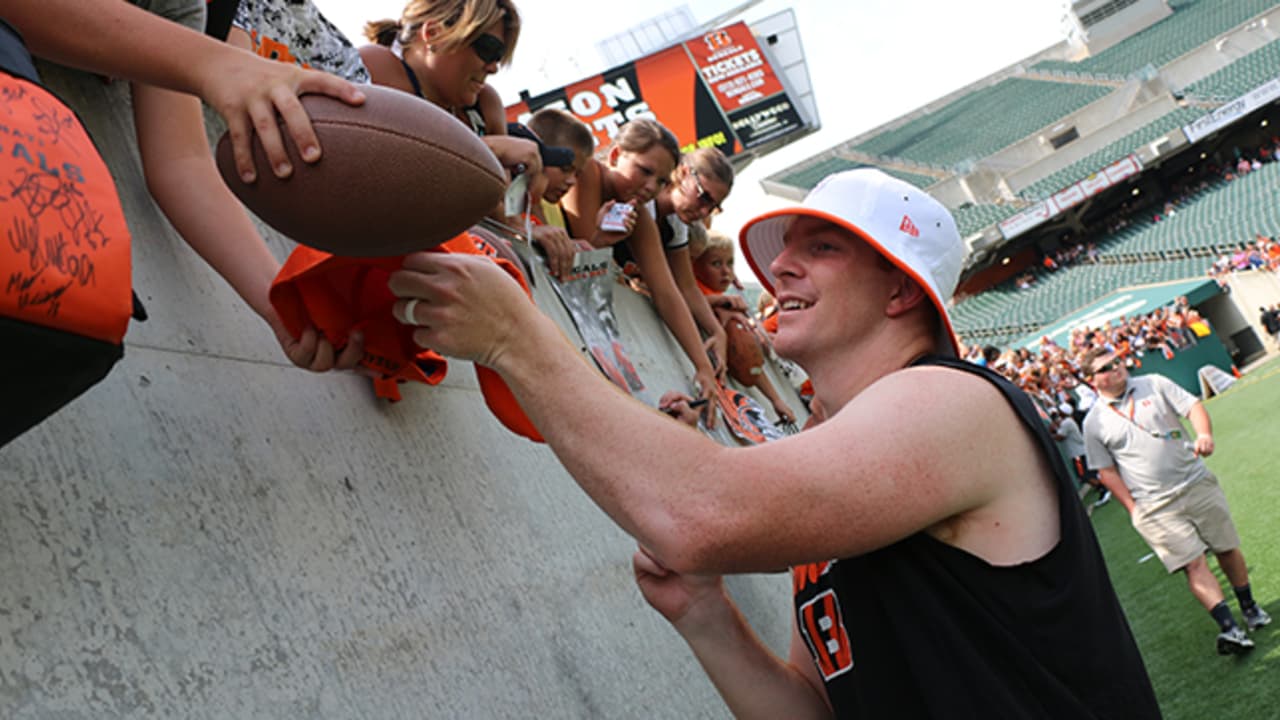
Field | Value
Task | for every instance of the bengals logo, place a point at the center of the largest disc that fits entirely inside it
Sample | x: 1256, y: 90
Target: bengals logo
x: 822, y: 627
x: 717, y: 39
x: 740, y: 414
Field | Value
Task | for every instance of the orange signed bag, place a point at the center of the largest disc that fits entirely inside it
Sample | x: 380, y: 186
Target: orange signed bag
x: 65, y: 285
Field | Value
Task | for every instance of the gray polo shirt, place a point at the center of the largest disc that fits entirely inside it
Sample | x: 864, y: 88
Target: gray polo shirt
x: 1139, y: 433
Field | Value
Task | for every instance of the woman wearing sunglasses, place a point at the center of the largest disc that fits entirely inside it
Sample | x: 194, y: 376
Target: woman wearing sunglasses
x: 699, y: 185
x: 632, y: 172
x: 444, y: 51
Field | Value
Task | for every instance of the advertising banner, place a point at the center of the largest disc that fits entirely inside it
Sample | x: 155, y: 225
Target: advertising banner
x: 1233, y: 110
x: 1070, y: 196
x: 716, y: 90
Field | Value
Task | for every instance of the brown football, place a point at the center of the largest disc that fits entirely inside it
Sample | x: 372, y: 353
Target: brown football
x: 397, y: 174
x: 746, y: 359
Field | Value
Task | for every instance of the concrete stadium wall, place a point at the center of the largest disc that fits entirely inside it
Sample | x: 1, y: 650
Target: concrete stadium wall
x: 212, y: 533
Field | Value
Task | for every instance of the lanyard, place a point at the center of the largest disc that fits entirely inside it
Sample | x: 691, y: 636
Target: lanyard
x: 1133, y: 403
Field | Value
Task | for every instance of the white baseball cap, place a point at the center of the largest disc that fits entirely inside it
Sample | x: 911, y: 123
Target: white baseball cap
x: 902, y: 222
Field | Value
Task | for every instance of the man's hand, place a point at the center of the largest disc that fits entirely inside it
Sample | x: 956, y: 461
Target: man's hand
x: 1204, y: 445
x: 467, y: 307
x: 249, y: 92
x: 670, y: 593
x: 560, y: 249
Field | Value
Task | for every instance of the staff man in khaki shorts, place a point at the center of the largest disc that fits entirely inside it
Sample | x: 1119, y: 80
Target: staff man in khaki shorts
x: 1135, y: 441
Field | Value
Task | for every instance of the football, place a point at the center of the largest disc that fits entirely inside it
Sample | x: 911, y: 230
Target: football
x: 397, y: 174
x: 746, y: 359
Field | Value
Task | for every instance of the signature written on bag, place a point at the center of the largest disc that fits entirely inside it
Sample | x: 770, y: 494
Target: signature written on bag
x: 64, y: 257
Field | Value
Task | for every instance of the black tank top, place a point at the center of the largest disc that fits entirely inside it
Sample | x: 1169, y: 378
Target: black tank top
x: 922, y: 629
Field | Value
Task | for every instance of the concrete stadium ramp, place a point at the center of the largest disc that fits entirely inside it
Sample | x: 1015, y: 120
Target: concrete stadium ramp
x: 211, y: 533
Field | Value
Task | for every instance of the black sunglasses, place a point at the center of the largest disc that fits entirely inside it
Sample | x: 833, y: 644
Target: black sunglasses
x: 489, y: 48
x: 704, y: 197
x: 1112, y: 365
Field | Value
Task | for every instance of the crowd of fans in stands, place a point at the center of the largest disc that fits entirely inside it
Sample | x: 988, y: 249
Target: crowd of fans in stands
x: 1262, y: 254
x: 1051, y: 374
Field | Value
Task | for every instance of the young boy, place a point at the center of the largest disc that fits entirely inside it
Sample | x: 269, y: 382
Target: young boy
x: 558, y: 132
x: 713, y: 268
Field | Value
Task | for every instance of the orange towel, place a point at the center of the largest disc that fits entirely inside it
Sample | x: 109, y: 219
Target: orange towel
x: 340, y: 295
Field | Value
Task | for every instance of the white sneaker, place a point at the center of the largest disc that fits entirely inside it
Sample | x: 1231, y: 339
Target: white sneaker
x: 1234, y: 642
x: 1255, y: 617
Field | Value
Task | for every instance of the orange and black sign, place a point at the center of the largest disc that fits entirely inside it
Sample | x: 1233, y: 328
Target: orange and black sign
x: 718, y: 90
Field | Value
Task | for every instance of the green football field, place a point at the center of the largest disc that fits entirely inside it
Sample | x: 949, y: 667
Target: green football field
x: 1175, y: 633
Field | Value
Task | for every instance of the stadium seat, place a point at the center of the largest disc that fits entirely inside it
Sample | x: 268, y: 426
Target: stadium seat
x: 1193, y: 23
x: 1203, y: 226
x: 1241, y: 76
x: 982, y: 122
x: 1111, y: 153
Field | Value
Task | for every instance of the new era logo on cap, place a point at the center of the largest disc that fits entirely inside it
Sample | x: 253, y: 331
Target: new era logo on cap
x: 909, y: 227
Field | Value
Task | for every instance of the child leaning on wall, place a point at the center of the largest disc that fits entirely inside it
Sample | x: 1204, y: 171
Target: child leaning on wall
x: 712, y: 255
x: 557, y: 128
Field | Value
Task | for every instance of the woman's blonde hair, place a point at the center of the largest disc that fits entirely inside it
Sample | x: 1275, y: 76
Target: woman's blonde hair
x: 460, y: 22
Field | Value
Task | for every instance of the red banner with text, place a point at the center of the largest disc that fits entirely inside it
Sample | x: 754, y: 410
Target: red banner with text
x: 716, y: 90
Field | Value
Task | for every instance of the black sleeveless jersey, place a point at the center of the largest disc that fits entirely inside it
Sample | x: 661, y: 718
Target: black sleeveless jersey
x: 921, y: 629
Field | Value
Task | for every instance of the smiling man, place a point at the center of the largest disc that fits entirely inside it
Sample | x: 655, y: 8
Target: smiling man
x: 941, y: 565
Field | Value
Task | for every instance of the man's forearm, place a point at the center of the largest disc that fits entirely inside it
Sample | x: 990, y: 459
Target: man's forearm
x: 1200, y: 421
x: 542, y: 370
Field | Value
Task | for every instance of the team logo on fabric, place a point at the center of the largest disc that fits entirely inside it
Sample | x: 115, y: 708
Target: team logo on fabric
x: 822, y: 626
x: 909, y: 227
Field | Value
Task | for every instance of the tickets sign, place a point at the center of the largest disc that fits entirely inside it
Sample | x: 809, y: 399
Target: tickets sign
x: 717, y: 90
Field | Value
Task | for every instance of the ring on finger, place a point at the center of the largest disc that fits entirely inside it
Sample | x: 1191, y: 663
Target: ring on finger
x: 406, y: 315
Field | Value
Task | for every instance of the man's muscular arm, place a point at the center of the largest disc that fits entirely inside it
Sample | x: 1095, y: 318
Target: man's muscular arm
x: 875, y: 470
